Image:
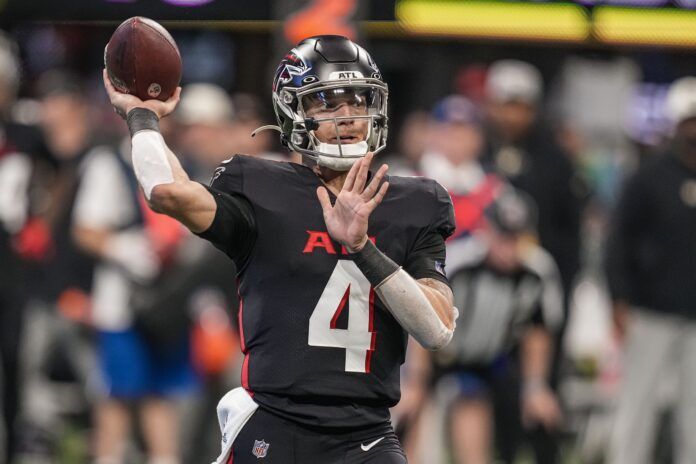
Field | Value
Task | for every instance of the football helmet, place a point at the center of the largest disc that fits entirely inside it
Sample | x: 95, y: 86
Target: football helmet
x: 330, y: 101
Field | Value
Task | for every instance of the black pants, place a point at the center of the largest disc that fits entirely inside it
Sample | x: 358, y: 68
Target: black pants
x: 268, y: 439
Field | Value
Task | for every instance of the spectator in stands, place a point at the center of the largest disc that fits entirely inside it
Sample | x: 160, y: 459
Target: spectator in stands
x: 522, y: 150
x: 452, y: 157
x: 204, y: 116
x: 249, y: 117
x: 455, y: 141
x: 411, y: 145
x: 58, y: 275
x: 144, y: 355
x: 216, y: 126
x: 66, y: 124
x: 496, y: 370
x: 651, y: 267
x: 21, y: 152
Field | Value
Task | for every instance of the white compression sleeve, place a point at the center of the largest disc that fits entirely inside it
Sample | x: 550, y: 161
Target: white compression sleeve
x: 409, y: 306
x: 150, y: 160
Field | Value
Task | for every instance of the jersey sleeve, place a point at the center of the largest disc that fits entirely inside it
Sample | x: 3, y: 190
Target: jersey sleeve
x: 426, y: 260
x: 233, y: 229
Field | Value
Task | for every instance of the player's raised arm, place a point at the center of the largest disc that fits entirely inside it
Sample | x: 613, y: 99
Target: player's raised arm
x: 166, y: 185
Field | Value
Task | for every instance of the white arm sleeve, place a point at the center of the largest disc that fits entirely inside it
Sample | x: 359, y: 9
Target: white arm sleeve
x: 150, y: 160
x: 405, y: 300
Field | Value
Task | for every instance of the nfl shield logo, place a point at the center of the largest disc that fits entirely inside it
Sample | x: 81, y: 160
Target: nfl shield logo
x: 260, y: 448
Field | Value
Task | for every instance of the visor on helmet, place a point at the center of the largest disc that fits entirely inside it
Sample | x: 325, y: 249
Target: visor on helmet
x: 341, y: 122
x: 324, y: 102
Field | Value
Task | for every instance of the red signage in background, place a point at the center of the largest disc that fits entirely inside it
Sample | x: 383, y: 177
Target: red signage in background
x: 322, y: 17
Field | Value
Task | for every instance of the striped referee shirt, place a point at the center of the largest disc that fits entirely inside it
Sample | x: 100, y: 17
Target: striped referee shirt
x: 496, y: 307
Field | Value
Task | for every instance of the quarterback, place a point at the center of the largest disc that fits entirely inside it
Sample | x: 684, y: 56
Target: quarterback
x: 337, y: 264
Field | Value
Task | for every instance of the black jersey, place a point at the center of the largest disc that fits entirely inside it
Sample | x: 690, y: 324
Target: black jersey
x: 320, y: 347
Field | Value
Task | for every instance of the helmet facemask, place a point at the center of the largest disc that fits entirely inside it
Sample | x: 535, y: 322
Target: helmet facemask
x: 337, y: 123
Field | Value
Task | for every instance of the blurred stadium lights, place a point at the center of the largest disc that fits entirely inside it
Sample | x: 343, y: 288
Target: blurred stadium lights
x: 657, y: 23
x: 671, y: 27
x: 634, y: 22
x: 485, y: 19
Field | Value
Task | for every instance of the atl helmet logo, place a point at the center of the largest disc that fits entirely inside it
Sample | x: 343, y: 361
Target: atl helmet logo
x: 345, y: 75
x: 260, y: 448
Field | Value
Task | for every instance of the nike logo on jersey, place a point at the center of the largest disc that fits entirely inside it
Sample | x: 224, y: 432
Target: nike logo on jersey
x: 371, y: 445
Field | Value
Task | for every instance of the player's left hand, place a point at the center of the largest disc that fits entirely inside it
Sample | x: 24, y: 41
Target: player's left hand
x: 346, y: 221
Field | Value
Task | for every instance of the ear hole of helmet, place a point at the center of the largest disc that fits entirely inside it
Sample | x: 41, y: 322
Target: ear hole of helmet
x: 286, y: 97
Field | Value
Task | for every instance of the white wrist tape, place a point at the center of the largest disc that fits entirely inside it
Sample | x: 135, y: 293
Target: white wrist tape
x: 150, y: 160
x: 409, y: 306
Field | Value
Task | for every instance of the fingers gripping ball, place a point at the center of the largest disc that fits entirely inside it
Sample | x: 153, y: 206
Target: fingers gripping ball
x: 142, y: 59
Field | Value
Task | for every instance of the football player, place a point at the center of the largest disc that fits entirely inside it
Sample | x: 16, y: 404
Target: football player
x: 337, y: 264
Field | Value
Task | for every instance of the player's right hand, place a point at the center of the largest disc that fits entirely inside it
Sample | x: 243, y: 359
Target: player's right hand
x: 124, y: 102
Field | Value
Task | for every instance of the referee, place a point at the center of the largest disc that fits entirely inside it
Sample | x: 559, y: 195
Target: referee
x: 504, y: 340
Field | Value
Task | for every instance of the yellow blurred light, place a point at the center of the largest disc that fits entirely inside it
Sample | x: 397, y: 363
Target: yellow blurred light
x: 475, y: 18
x: 645, y: 27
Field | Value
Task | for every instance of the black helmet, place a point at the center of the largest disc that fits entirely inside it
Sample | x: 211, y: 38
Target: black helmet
x: 329, y: 70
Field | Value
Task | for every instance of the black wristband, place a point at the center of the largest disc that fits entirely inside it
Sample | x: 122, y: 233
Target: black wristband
x: 374, y: 264
x: 140, y: 119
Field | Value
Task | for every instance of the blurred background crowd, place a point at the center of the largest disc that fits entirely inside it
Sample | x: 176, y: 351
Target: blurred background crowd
x: 572, y: 169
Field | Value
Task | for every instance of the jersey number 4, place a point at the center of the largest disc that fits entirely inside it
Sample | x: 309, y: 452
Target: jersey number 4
x: 347, y: 285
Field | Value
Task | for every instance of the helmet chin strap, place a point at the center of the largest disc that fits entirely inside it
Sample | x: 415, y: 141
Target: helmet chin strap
x: 343, y: 158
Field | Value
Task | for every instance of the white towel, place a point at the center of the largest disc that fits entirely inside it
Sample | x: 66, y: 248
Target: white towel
x: 233, y: 410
